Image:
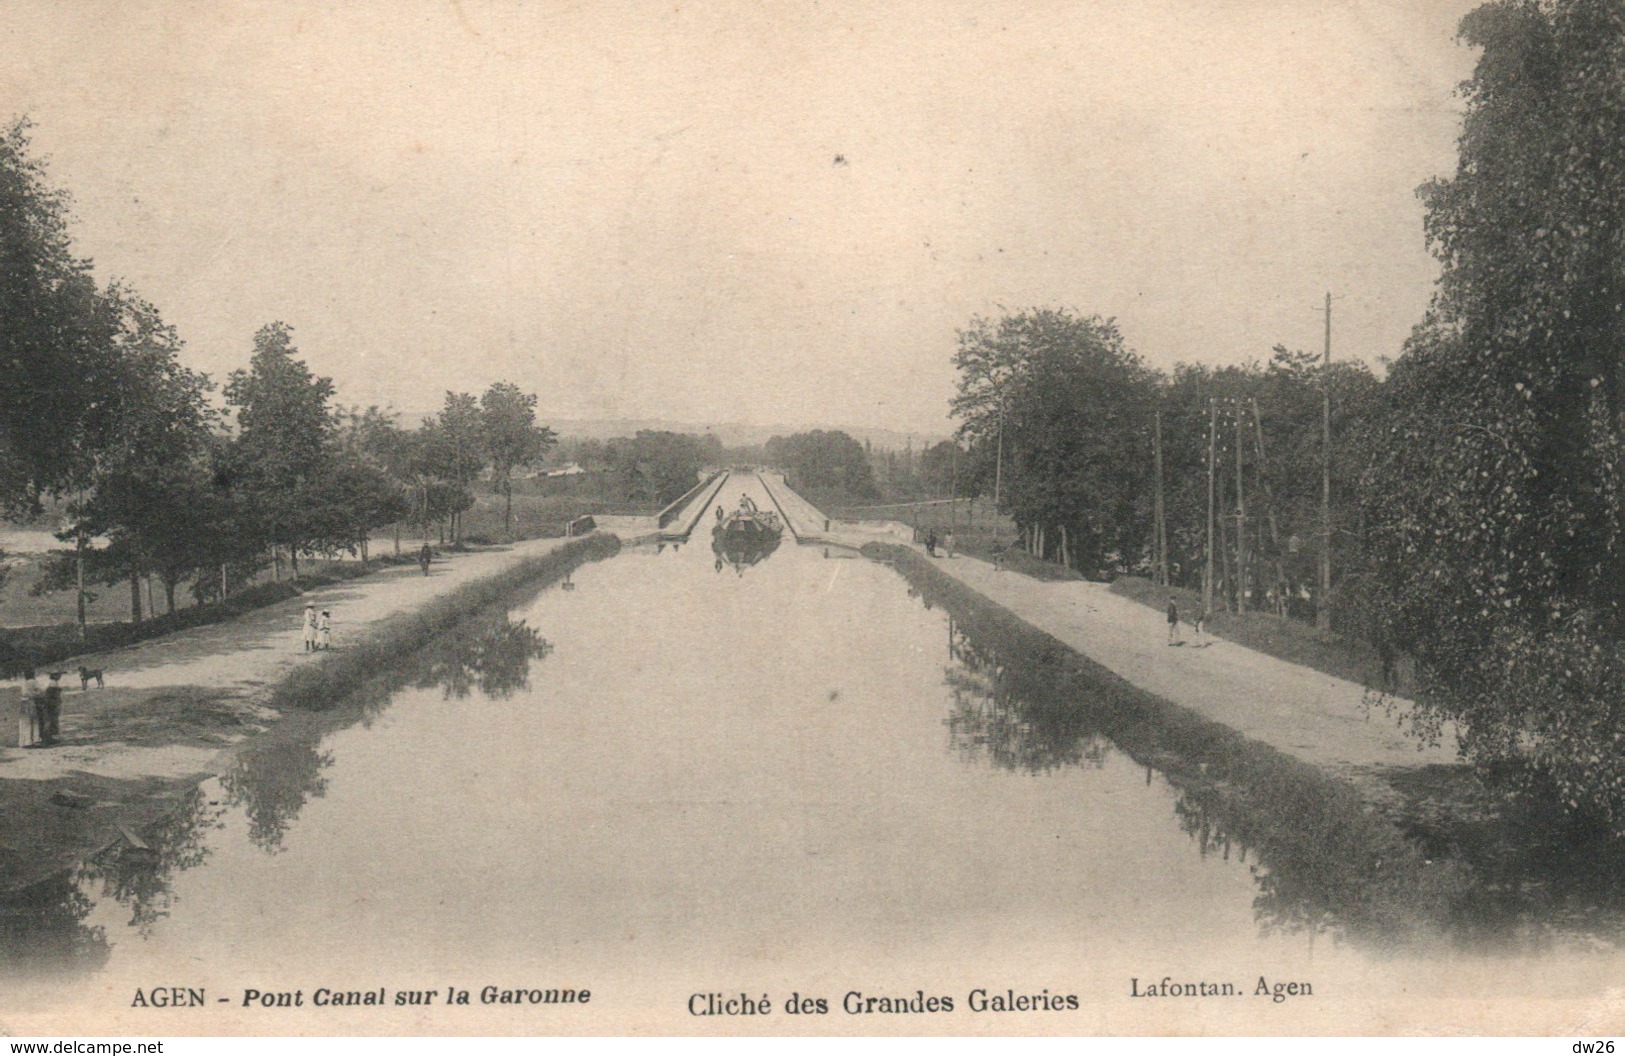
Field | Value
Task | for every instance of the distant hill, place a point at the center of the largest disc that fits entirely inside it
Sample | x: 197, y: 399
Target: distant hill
x: 732, y: 434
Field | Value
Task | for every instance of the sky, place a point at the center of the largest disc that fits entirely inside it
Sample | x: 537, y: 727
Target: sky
x: 758, y: 212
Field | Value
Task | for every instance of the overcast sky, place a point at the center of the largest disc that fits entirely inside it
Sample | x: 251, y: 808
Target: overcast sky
x: 635, y: 209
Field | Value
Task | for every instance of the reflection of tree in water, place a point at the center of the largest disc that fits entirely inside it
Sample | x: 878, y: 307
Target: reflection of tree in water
x: 1319, y: 860
x: 272, y: 780
x: 141, y: 877
x: 1001, y: 712
x: 43, y: 931
x: 491, y: 654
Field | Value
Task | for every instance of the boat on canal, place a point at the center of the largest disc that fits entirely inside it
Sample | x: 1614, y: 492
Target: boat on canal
x: 746, y: 527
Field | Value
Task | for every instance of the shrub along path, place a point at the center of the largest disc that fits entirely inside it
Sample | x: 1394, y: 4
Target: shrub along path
x: 175, y: 707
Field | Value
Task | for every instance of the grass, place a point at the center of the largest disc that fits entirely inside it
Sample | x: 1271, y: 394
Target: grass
x: 1289, y: 640
x: 1328, y: 859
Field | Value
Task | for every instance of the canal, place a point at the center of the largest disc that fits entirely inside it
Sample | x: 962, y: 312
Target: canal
x: 683, y: 771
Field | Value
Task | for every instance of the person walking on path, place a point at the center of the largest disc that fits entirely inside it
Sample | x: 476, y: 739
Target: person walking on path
x: 931, y: 542
x: 424, y: 557
x: 1200, y: 623
x: 51, y: 721
x: 29, y: 734
x: 1173, y: 621
x: 324, y: 630
x: 310, y: 626
x: 948, y: 542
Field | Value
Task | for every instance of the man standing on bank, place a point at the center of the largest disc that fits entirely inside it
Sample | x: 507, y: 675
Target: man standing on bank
x: 1173, y: 621
x: 310, y: 626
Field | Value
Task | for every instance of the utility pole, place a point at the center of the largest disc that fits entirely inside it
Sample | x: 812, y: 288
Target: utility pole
x: 1241, y: 520
x: 1212, y: 436
x: 1323, y: 606
x: 1159, y: 543
x: 998, y: 461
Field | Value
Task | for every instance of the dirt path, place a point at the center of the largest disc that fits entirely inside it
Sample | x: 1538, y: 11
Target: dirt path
x: 224, y: 669
x: 1299, y: 711
x: 176, y: 708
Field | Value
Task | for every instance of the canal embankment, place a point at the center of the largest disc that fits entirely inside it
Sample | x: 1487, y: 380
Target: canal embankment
x: 177, y: 710
x: 1330, y: 855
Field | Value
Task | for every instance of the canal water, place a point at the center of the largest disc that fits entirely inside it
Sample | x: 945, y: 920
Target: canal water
x: 684, y: 772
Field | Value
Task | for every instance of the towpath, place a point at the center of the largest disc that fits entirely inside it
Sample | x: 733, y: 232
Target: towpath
x: 1297, y: 710
x: 223, y: 670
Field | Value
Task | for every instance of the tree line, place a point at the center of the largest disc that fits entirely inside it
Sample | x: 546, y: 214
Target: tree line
x: 100, y: 416
x: 1478, y: 489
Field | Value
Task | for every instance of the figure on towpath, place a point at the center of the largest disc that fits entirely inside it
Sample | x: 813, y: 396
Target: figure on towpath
x: 310, y: 627
x: 1173, y: 621
x: 425, y: 556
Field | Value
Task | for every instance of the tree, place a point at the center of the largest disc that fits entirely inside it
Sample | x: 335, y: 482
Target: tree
x: 655, y: 466
x: 510, y: 438
x: 1495, y: 498
x: 1067, y: 409
x: 830, y: 460
x: 56, y: 338
x: 145, y: 477
x: 284, y: 431
x: 453, y: 455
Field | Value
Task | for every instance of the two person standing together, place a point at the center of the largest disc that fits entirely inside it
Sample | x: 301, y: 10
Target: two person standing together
x: 318, y: 629
x: 39, y: 713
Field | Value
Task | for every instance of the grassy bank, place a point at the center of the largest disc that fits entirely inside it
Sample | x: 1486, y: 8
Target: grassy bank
x: 1291, y: 640
x: 320, y: 683
x: 49, y: 826
x: 1327, y: 861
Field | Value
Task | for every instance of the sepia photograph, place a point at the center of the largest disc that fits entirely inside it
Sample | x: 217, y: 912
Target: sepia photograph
x: 816, y: 517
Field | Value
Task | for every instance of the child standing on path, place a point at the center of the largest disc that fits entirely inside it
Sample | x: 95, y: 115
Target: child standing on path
x: 310, y: 627
x: 325, y: 631
x: 1173, y: 621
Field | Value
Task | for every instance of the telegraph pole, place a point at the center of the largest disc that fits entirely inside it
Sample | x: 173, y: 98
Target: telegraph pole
x: 1160, y: 542
x: 1212, y: 435
x: 1323, y: 607
x: 998, y: 470
x: 1241, y: 521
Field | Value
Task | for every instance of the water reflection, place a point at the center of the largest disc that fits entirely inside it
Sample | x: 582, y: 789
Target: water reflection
x: 1001, y: 714
x: 740, y: 553
x: 270, y: 781
x: 43, y: 930
x: 491, y: 654
x: 140, y: 877
x: 1522, y: 878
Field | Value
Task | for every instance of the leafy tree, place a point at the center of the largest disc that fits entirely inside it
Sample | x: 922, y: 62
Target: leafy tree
x: 1494, y: 499
x: 1071, y: 408
x: 453, y: 455
x: 284, y: 431
x: 510, y: 438
x: 56, y: 338
x: 830, y: 460
x: 655, y: 466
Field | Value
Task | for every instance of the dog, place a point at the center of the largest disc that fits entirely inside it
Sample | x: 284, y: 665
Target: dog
x: 88, y: 675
